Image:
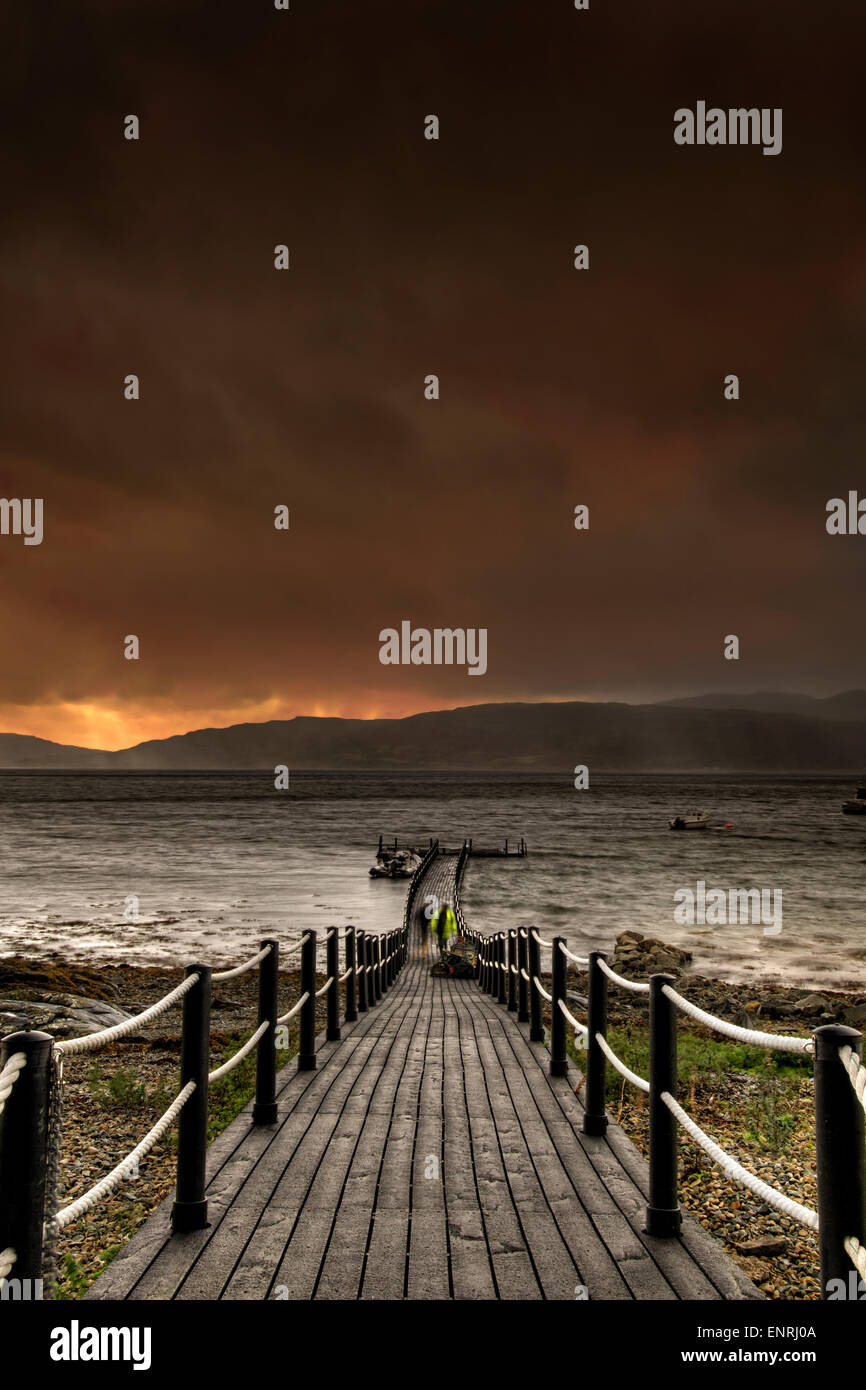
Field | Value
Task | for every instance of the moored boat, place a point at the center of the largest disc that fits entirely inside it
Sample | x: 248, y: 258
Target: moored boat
x: 400, y: 863
x: 857, y: 805
x: 697, y: 821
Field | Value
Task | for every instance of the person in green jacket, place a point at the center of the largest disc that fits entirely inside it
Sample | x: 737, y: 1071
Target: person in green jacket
x: 444, y: 925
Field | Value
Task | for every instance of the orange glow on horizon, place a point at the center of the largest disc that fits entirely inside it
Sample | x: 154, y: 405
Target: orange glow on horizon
x: 110, y: 727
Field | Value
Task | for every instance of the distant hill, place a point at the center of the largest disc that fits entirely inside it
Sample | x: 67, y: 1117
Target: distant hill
x: 686, y: 735
x: 27, y: 753
x: 851, y: 704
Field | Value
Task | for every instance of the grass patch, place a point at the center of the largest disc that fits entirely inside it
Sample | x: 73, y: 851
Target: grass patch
x: 768, y: 1108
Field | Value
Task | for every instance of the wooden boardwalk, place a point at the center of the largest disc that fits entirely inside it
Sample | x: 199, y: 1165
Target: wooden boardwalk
x: 430, y: 1156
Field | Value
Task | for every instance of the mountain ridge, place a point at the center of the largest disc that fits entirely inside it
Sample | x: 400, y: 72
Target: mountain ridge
x: 683, y: 735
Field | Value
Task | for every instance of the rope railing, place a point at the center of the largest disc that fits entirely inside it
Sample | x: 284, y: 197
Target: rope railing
x: 853, y: 1066
x: 295, y: 1009
x: 9, y: 1075
x: 296, y: 945
x: 734, y: 1170
x: 621, y: 1067
x: 67, y: 1215
x: 546, y: 945
x: 241, y: 1053
x: 93, y: 1042
x: 636, y: 985
x: 781, y: 1041
x: 372, y: 963
x: 840, y: 1104
x: 414, y: 883
x: 853, y: 1248
x: 243, y: 968
x: 569, y: 955
x: 575, y: 1023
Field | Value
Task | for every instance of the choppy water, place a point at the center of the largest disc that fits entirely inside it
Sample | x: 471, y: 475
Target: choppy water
x: 218, y: 860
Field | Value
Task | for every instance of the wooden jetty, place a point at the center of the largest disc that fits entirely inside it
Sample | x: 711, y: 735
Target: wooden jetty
x: 429, y: 1154
x: 514, y: 849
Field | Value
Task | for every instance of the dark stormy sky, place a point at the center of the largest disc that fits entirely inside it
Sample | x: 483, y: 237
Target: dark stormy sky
x: 409, y: 257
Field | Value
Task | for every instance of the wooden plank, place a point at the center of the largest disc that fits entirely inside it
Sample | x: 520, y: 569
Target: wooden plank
x: 430, y: 1155
x: 429, y: 1262
x: 311, y: 1187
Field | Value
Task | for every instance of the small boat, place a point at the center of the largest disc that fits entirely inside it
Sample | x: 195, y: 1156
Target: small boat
x: 390, y: 863
x: 697, y: 821
x: 857, y: 806
x: 403, y: 864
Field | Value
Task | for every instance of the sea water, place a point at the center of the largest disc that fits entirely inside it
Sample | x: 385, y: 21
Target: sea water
x: 151, y: 869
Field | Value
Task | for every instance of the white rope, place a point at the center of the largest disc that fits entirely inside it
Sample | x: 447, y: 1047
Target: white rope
x: 71, y: 1047
x: 524, y: 975
x: 8, y: 1076
x: 242, y: 969
x: 240, y: 1054
x: 548, y: 945
x: 581, y: 1027
x: 850, y: 1061
x: 325, y: 987
x: 781, y: 1041
x: 514, y: 969
x: 7, y: 1260
x: 852, y: 1247
x: 620, y: 979
x: 104, y: 1188
x: 296, y: 1009
x: 298, y: 944
x: 344, y: 977
x: 578, y: 960
x: 541, y: 990
x: 621, y: 1067
x: 738, y: 1173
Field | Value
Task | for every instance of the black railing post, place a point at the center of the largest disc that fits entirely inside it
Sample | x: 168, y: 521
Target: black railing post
x: 522, y: 971
x: 663, y: 1216
x: 369, y: 948
x: 332, y: 972
x: 511, y: 960
x: 558, y: 969
x: 307, y: 1043
x: 501, y: 982
x: 24, y: 1152
x: 488, y: 969
x: 351, y: 983
x: 368, y: 961
x: 389, y: 955
x: 536, y: 1028
x: 361, y: 958
x: 839, y: 1151
x: 377, y: 967
x: 189, y: 1210
x: 594, y: 1115
x: 265, y: 1107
